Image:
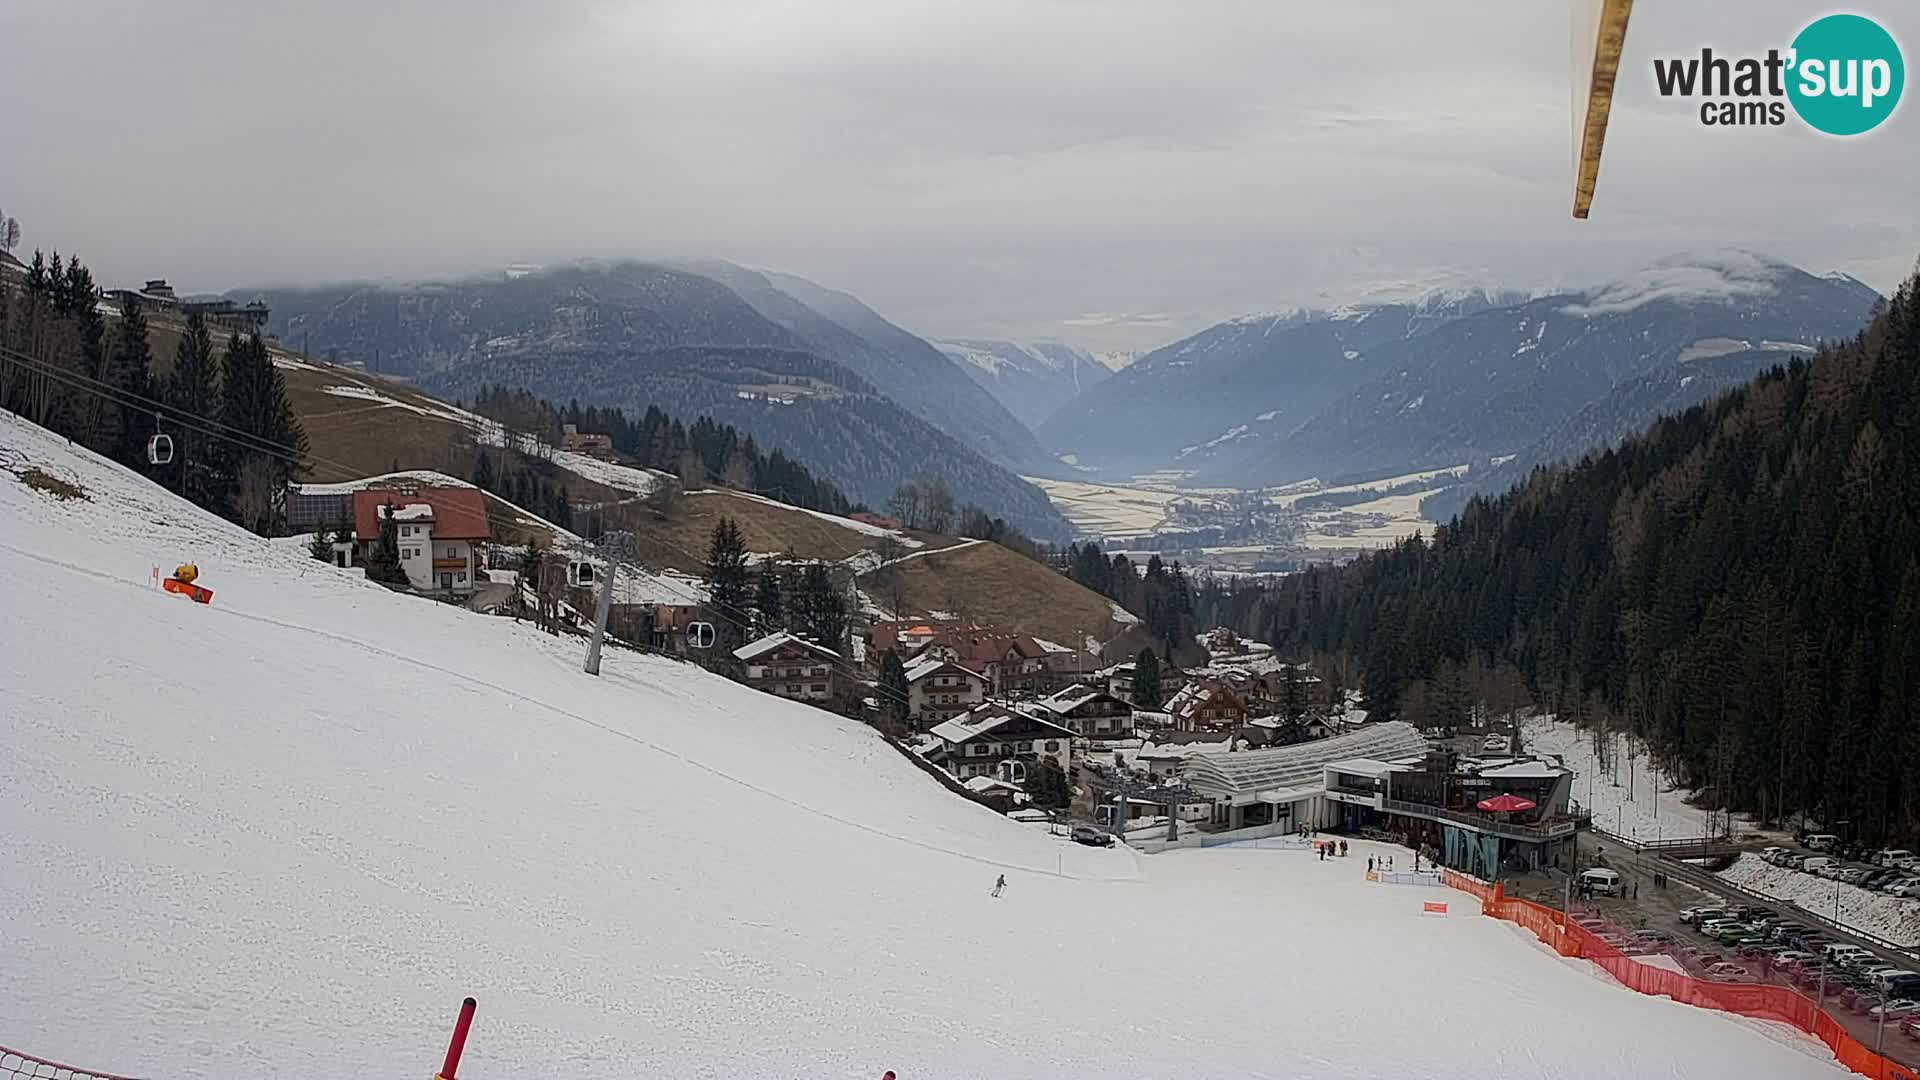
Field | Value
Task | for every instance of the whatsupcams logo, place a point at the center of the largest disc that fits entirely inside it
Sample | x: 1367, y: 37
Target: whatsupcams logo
x: 1842, y: 75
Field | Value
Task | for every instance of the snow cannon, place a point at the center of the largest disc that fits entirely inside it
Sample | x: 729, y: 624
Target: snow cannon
x: 183, y: 583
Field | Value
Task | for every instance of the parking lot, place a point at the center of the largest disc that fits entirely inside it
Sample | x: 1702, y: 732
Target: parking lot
x: 1755, y: 947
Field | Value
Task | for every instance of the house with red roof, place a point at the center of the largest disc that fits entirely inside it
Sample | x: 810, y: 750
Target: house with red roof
x: 442, y: 532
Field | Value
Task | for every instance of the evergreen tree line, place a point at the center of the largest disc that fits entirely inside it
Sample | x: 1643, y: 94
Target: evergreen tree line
x: 235, y: 439
x: 700, y: 454
x: 1739, y: 587
x: 801, y: 598
x: 1162, y: 595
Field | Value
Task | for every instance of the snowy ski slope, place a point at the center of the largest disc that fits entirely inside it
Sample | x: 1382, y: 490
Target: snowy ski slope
x: 285, y: 834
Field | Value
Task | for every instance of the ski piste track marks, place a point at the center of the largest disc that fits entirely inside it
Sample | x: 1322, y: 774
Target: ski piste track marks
x: 229, y: 611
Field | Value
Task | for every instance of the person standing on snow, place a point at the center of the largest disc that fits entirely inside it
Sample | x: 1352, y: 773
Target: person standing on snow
x: 999, y: 884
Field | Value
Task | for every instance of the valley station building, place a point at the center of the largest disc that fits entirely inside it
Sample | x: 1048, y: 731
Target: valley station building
x: 1385, y: 778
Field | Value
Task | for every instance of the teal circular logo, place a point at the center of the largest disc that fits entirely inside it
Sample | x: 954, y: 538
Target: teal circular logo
x: 1847, y: 74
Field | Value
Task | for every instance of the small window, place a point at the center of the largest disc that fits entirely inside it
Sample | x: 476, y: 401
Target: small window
x: 819, y: 688
x: 1053, y: 746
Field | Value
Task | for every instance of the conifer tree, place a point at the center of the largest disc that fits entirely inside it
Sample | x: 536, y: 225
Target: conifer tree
x: 1147, y: 692
x: 383, y: 562
x: 769, y: 609
x: 130, y: 371
x: 895, y: 699
x: 193, y: 392
x: 726, y: 577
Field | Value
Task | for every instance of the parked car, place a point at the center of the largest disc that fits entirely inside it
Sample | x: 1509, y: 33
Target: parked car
x: 1911, y: 1025
x: 1847, y: 954
x: 1821, y: 841
x: 1793, y: 861
x: 1728, y: 971
x: 1693, y: 916
x: 1734, y: 935
x: 1651, y: 935
x: 1794, y: 959
x: 1893, y: 857
x: 1092, y: 836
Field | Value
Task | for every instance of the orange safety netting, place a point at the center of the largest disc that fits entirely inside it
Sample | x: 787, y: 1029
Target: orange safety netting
x: 1764, y: 1002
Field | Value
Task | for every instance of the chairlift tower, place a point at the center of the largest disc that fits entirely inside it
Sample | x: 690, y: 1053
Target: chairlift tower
x: 616, y: 545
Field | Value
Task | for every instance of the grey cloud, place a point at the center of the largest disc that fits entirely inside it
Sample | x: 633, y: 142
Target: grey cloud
x: 1001, y: 167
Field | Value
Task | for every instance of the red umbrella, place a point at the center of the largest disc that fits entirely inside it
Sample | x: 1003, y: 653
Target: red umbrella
x: 1506, y: 804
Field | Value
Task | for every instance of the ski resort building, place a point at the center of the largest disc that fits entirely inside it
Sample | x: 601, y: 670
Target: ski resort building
x: 1288, y: 785
x: 995, y: 740
x: 790, y: 667
x: 439, y: 530
x: 1090, y: 713
x: 1207, y: 705
x: 939, y: 690
x: 1430, y: 800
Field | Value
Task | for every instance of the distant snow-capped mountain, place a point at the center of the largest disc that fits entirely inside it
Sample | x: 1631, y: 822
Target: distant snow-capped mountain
x: 1251, y: 377
x: 1546, y: 378
x: 1449, y: 375
x: 1031, y: 379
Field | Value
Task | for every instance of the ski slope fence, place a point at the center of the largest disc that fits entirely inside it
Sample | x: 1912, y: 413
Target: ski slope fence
x: 15, y: 1065
x: 1763, y: 1002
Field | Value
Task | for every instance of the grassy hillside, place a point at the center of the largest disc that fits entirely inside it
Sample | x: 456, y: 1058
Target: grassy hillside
x: 996, y: 587
x: 361, y: 425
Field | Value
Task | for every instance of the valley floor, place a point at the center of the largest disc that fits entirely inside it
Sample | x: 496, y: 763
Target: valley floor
x: 285, y: 833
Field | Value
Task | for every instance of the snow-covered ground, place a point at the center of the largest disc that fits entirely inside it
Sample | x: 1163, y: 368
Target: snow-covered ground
x: 1897, y: 919
x: 1623, y: 800
x: 287, y: 832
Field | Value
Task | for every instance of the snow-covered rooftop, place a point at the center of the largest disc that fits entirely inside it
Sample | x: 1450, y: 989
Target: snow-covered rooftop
x: 412, y: 512
x: 1361, y: 767
x: 1290, y: 766
x: 1524, y: 770
x: 771, y: 642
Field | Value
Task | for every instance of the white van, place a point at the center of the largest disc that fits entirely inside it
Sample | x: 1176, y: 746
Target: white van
x: 1813, y: 864
x: 1893, y: 857
x: 1601, y: 881
x: 1822, y: 841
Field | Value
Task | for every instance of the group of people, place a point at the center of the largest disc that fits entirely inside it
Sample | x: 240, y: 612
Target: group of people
x: 1330, y: 849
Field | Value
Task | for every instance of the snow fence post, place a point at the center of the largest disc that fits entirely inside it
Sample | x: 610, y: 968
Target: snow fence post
x: 459, y: 1042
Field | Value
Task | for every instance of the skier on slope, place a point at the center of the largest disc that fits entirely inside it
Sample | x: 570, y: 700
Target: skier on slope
x: 999, y: 884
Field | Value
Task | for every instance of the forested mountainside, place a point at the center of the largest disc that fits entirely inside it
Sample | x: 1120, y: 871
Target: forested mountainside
x: 907, y: 369
x: 1211, y: 396
x: 864, y: 443
x: 1492, y: 383
x: 1032, y: 379
x: 1626, y: 410
x: 911, y: 371
x: 632, y: 335
x: 1740, y: 584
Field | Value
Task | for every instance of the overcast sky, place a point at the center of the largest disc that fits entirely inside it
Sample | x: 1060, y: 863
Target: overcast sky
x: 1107, y: 172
